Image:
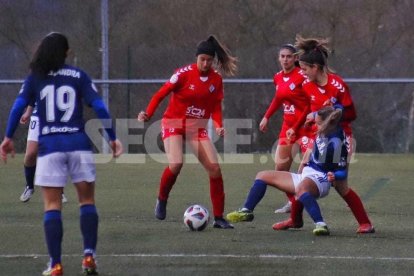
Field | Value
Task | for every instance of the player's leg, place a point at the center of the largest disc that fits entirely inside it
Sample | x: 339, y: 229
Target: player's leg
x: 173, y: 145
x: 352, y: 198
x: 283, y: 161
x: 355, y: 204
x: 51, y: 176
x: 30, y: 158
x: 89, y: 221
x: 307, y: 193
x: 278, y: 179
x: 29, y: 170
x: 83, y: 174
x: 206, y: 153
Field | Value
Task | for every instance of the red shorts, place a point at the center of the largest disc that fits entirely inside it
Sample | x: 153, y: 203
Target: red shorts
x: 200, y: 134
x: 304, y: 138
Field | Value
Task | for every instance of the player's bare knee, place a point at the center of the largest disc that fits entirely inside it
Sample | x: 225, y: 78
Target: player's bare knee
x: 214, y: 170
x: 175, y: 168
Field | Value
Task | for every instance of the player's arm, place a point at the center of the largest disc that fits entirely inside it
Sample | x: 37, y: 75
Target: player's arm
x: 290, y: 133
x: 26, y: 115
x: 91, y: 98
x: 103, y: 114
x: 274, y: 105
x: 217, y: 117
x: 166, y: 89
x: 7, y: 146
x: 305, y: 159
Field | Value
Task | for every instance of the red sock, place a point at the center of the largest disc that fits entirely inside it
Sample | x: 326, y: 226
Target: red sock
x: 291, y: 197
x: 217, y: 196
x: 296, y: 211
x: 167, y: 182
x: 357, y: 208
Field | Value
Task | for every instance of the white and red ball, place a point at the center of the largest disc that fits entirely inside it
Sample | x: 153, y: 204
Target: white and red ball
x: 196, y: 217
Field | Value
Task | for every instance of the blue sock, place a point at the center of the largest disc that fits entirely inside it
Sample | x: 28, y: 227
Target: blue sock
x: 311, y: 207
x: 52, y: 223
x: 257, y: 191
x: 29, y: 173
x: 89, y: 228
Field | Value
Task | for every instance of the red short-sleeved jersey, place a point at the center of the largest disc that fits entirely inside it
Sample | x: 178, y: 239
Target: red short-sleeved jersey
x: 290, y: 94
x: 335, y: 91
x: 194, y: 96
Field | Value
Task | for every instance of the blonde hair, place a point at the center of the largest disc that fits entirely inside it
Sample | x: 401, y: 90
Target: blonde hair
x: 330, y: 119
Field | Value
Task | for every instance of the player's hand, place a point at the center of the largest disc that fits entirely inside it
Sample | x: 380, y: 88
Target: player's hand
x: 6, y: 147
x: 291, y: 134
x: 263, y: 124
x: 310, y: 119
x: 220, y: 131
x: 330, y: 176
x: 117, y: 148
x: 26, y: 115
x: 327, y: 103
x: 24, y: 119
x: 142, y: 116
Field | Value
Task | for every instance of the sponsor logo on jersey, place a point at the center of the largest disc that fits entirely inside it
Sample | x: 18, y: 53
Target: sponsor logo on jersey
x: 312, y: 97
x: 46, y: 130
x: 67, y: 73
x: 333, y: 100
x: 195, y: 112
x: 292, y: 86
x: 289, y: 108
x: 211, y: 88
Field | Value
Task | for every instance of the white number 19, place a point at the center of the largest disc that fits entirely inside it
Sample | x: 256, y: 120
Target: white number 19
x: 65, y: 101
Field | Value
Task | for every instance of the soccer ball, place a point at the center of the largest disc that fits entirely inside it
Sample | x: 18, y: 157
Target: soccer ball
x: 196, y: 217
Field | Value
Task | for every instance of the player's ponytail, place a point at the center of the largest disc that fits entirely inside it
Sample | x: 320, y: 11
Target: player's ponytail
x: 50, y: 54
x: 330, y: 119
x: 313, y: 51
x: 212, y: 47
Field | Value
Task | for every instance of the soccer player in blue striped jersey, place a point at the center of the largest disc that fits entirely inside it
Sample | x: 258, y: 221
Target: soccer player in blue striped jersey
x: 327, y: 164
x: 65, y: 150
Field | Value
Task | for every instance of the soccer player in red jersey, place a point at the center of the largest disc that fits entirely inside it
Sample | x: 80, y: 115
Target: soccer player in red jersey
x: 325, y: 88
x: 197, y: 94
x: 295, y: 102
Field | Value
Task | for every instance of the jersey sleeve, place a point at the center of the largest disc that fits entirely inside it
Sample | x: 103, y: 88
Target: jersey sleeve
x: 25, y: 97
x: 345, y: 98
x: 172, y: 84
x: 274, y: 105
x: 88, y: 89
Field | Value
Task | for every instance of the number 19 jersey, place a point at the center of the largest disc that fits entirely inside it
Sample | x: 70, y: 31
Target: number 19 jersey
x: 59, y: 98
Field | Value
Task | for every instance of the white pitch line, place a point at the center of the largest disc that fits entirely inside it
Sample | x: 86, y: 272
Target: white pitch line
x: 231, y: 256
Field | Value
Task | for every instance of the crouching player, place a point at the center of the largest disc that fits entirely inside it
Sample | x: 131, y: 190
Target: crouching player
x: 326, y: 164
